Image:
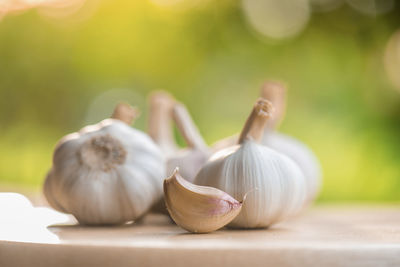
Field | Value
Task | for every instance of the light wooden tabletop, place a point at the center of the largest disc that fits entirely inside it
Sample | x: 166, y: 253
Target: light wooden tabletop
x: 325, y: 235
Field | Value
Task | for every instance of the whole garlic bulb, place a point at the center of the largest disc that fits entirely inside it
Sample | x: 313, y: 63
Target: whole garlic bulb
x: 278, y: 183
x: 107, y: 173
x: 160, y: 129
x: 291, y: 147
x: 275, y: 92
x: 189, y: 160
x: 302, y: 155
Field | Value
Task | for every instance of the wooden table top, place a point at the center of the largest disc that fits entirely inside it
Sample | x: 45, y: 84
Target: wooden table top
x: 325, y: 235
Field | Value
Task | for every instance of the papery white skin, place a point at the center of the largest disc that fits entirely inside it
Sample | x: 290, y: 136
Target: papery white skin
x: 302, y: 155
x: 291, y: 147
x: 192, y: 158
x: 160, y: 123
x: 163, y: 110
x: 276, y: 184
x: 189, y: 161
x: 297, y: 151
x: 93, y: 195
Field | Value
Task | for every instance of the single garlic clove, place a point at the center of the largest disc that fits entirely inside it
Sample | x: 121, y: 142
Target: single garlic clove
x: 198, y: 209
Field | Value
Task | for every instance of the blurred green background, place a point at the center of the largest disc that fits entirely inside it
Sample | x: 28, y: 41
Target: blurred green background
x: 64, y: 66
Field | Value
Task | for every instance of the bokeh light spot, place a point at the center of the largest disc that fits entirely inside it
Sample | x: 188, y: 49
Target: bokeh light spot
x: 178, y: 4
x: 392, y: 59
x: 277, y: 19
x: 102, y: 105
x: 55, y: 8
x: 372, y: 7
x: 325, y: 5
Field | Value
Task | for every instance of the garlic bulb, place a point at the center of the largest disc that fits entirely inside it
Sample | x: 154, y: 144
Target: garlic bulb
x: 160, y: 129
x: 164, y: 109
x: 291, y: 147
x: 107, y: 173
x: 190, y: 159
x: 279, y: 183
x: 275, y: 92
x: 302, y: 155
x: 198, y: 209
x: 125, y: 113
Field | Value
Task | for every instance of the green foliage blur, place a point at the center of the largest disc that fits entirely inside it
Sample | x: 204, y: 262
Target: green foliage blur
x: 59, y: 74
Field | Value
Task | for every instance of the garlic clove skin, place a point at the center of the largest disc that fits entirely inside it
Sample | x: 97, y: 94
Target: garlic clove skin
x: 236, y: 170
x: 108, y: 173
x: 198, y: 209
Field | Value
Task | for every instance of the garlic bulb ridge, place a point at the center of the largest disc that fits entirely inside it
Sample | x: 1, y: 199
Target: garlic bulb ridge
x: 108, y: 173
x: 249, y: 165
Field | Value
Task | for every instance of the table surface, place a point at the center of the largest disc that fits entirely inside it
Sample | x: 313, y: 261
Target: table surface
x: 324, y: 235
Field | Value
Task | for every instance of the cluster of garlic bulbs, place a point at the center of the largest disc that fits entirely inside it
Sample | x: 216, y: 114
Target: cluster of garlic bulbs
x: 271, y: 186
x: 280, y: 175
x: 111, y: 173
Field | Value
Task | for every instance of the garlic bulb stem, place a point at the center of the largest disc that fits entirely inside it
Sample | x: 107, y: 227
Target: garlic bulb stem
x: 256, y: 122
x: 275, y: 92
x: 126, y: 113
x: 187, y: 127
x: 159, y: 124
